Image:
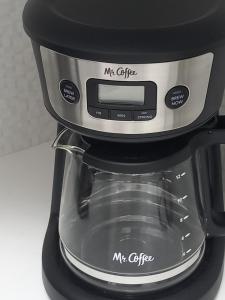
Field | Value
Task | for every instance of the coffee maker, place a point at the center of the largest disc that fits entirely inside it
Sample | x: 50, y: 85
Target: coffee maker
x: 136, y: 87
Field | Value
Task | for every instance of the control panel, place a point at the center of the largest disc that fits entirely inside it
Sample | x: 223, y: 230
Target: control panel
x: 122, y: 100
x: 128, y: 99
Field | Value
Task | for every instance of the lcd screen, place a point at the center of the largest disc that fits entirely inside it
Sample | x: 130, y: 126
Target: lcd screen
x: 125, y: 95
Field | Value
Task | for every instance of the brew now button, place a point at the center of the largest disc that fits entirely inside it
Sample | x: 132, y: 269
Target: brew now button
x: 120, y: 115
x: 177, y: 97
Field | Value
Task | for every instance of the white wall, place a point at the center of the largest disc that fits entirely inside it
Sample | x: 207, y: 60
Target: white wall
x: 24, y: 122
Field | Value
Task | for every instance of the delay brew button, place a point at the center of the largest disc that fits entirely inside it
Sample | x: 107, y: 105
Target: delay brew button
x: 144, y: 115
x: 177, y: 97
x: 120, y: 115
x: 99, y: 113
x: 69, y: 91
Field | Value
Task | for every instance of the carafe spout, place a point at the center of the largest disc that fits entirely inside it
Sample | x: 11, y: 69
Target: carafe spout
x: 61, y: 143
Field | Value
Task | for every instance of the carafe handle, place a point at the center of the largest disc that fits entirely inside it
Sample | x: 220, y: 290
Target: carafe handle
x: 215, y: 221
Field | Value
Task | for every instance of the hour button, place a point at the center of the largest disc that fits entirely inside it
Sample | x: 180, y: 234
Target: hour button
x: 99, y: 113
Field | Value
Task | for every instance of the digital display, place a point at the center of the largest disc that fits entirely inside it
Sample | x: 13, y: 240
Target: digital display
x: 125, y: 95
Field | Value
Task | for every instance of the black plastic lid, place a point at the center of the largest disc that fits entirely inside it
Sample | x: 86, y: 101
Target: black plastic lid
x: 136, y: 158
x: 134, y: 31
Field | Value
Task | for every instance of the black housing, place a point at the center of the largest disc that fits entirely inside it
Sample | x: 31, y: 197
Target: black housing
x: 134, y: 32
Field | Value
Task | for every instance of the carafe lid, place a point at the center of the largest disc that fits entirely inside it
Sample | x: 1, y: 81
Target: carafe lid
x: 134, y: 31
x: 136, y: 158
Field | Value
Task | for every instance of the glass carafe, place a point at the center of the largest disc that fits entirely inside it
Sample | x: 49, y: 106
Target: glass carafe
x: 128, y: 223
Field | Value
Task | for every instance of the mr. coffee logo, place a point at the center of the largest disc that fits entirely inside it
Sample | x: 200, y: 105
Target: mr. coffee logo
x: 123, y: 72
x: 133, y: 258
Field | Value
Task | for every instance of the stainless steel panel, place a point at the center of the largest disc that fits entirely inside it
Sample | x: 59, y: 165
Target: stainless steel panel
x: 193, y: 73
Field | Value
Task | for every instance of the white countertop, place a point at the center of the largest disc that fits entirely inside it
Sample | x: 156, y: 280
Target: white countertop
x: 25, y: 196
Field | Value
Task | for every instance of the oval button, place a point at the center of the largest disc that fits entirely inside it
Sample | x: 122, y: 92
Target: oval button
x: 69, y: 91
x: 177, y: 97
